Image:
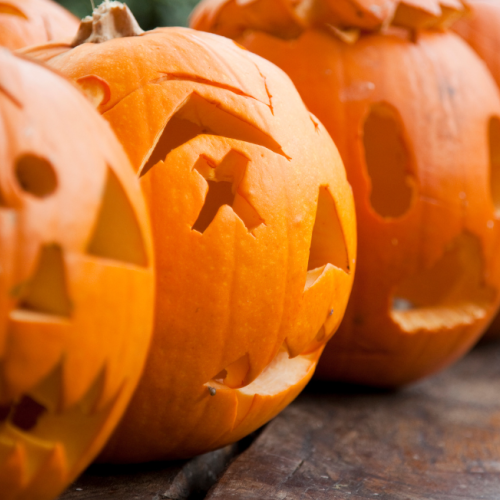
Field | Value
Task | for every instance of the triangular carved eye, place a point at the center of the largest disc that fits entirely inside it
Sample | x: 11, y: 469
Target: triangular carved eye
x: 328, y: 244
x: 46, y: 292
x: 117, y: 234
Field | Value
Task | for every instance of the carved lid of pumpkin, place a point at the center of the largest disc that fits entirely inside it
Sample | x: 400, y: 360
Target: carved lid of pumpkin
x: 288, y: 18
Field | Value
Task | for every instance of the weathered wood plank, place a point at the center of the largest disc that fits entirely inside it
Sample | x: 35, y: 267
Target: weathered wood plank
x: 186, y: 479
x: 439, y: 440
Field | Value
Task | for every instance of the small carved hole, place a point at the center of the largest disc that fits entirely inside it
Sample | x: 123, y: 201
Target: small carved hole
x: 36, y: 175
x: 27, y: 413
x: 46, y: 291
x: 494, y: 144
x: 117, y: 234
x: 95, y: 89
x: 388, y: 162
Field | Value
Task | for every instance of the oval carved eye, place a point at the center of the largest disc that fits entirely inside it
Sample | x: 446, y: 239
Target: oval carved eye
x: 35, y: 175
x: 494, y: 144
x: 388, y: 161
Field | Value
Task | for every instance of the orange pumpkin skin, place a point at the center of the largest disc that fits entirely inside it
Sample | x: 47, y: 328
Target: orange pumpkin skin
x: 77, y: 281
x: 29, y: 22
x: 235, y: 297
x: 411, y: 121
x: 480, y: 29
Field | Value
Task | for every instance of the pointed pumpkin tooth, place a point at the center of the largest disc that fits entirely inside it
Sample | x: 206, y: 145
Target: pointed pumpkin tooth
x: 49, y: 391
x: 93, y: 400
x: 50, y: 478
x: 29, y: 334
x: 12, y: 469
x: 34, y: 451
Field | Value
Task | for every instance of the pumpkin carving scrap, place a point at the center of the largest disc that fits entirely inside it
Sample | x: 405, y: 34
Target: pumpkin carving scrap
x: 76, y: 281
x: 409, y: 107
x: 253, y: 224
x: 27, y: 22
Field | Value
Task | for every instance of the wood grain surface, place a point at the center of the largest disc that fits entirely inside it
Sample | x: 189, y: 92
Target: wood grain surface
x: 181, y: 480
x: 436, y: 440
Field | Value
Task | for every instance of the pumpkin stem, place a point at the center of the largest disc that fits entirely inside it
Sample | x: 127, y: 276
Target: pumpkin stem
x: 110, y: 20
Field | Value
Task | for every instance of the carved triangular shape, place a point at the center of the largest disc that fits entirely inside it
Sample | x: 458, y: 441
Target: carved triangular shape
x: 46, y: 292
x: 117, y: 234
x: 328, y: 244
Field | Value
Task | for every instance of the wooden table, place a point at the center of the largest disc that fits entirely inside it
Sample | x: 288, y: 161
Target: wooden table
x: 436, y: 440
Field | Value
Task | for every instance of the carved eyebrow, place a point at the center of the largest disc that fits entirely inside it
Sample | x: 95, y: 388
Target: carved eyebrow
x: 198, y: 116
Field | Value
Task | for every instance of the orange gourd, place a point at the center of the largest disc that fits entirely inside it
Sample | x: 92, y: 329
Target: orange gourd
x: 29, y: 22
x: 253, y: 224
x: 480, y: 28
x: 411, y: 109
x: 76, y: 281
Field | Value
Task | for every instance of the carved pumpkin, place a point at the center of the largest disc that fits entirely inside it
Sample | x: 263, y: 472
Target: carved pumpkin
x: 76, y: 278
x: 409, y: 108
x: 253, y: 224
x: 481, y: 30
x: 27, y: 22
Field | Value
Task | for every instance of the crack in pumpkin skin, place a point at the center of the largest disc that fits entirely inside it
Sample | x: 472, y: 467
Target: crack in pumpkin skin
x: 181, y: 41
x: 196, y: 79
x: 339, y: 83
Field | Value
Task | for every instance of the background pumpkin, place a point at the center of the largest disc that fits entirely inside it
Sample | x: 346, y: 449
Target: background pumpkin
x: 27, y: 22
x: 253, y: 224
x: 76, y: 281
x: 480, y: 28
x: 410, y: 109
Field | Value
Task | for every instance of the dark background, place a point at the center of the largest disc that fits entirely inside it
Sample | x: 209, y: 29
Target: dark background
x: 149, y: 13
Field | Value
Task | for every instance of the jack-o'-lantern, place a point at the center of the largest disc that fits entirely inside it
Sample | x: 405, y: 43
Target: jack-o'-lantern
x: 480, y: 28
x: 410, y: 108
x: 76, y: 280
x: 253, y: 226
x: 27, y: 22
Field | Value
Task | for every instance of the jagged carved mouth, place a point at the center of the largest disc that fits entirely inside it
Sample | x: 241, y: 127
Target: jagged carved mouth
x: 448, y: 294
x: 37, y: 434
